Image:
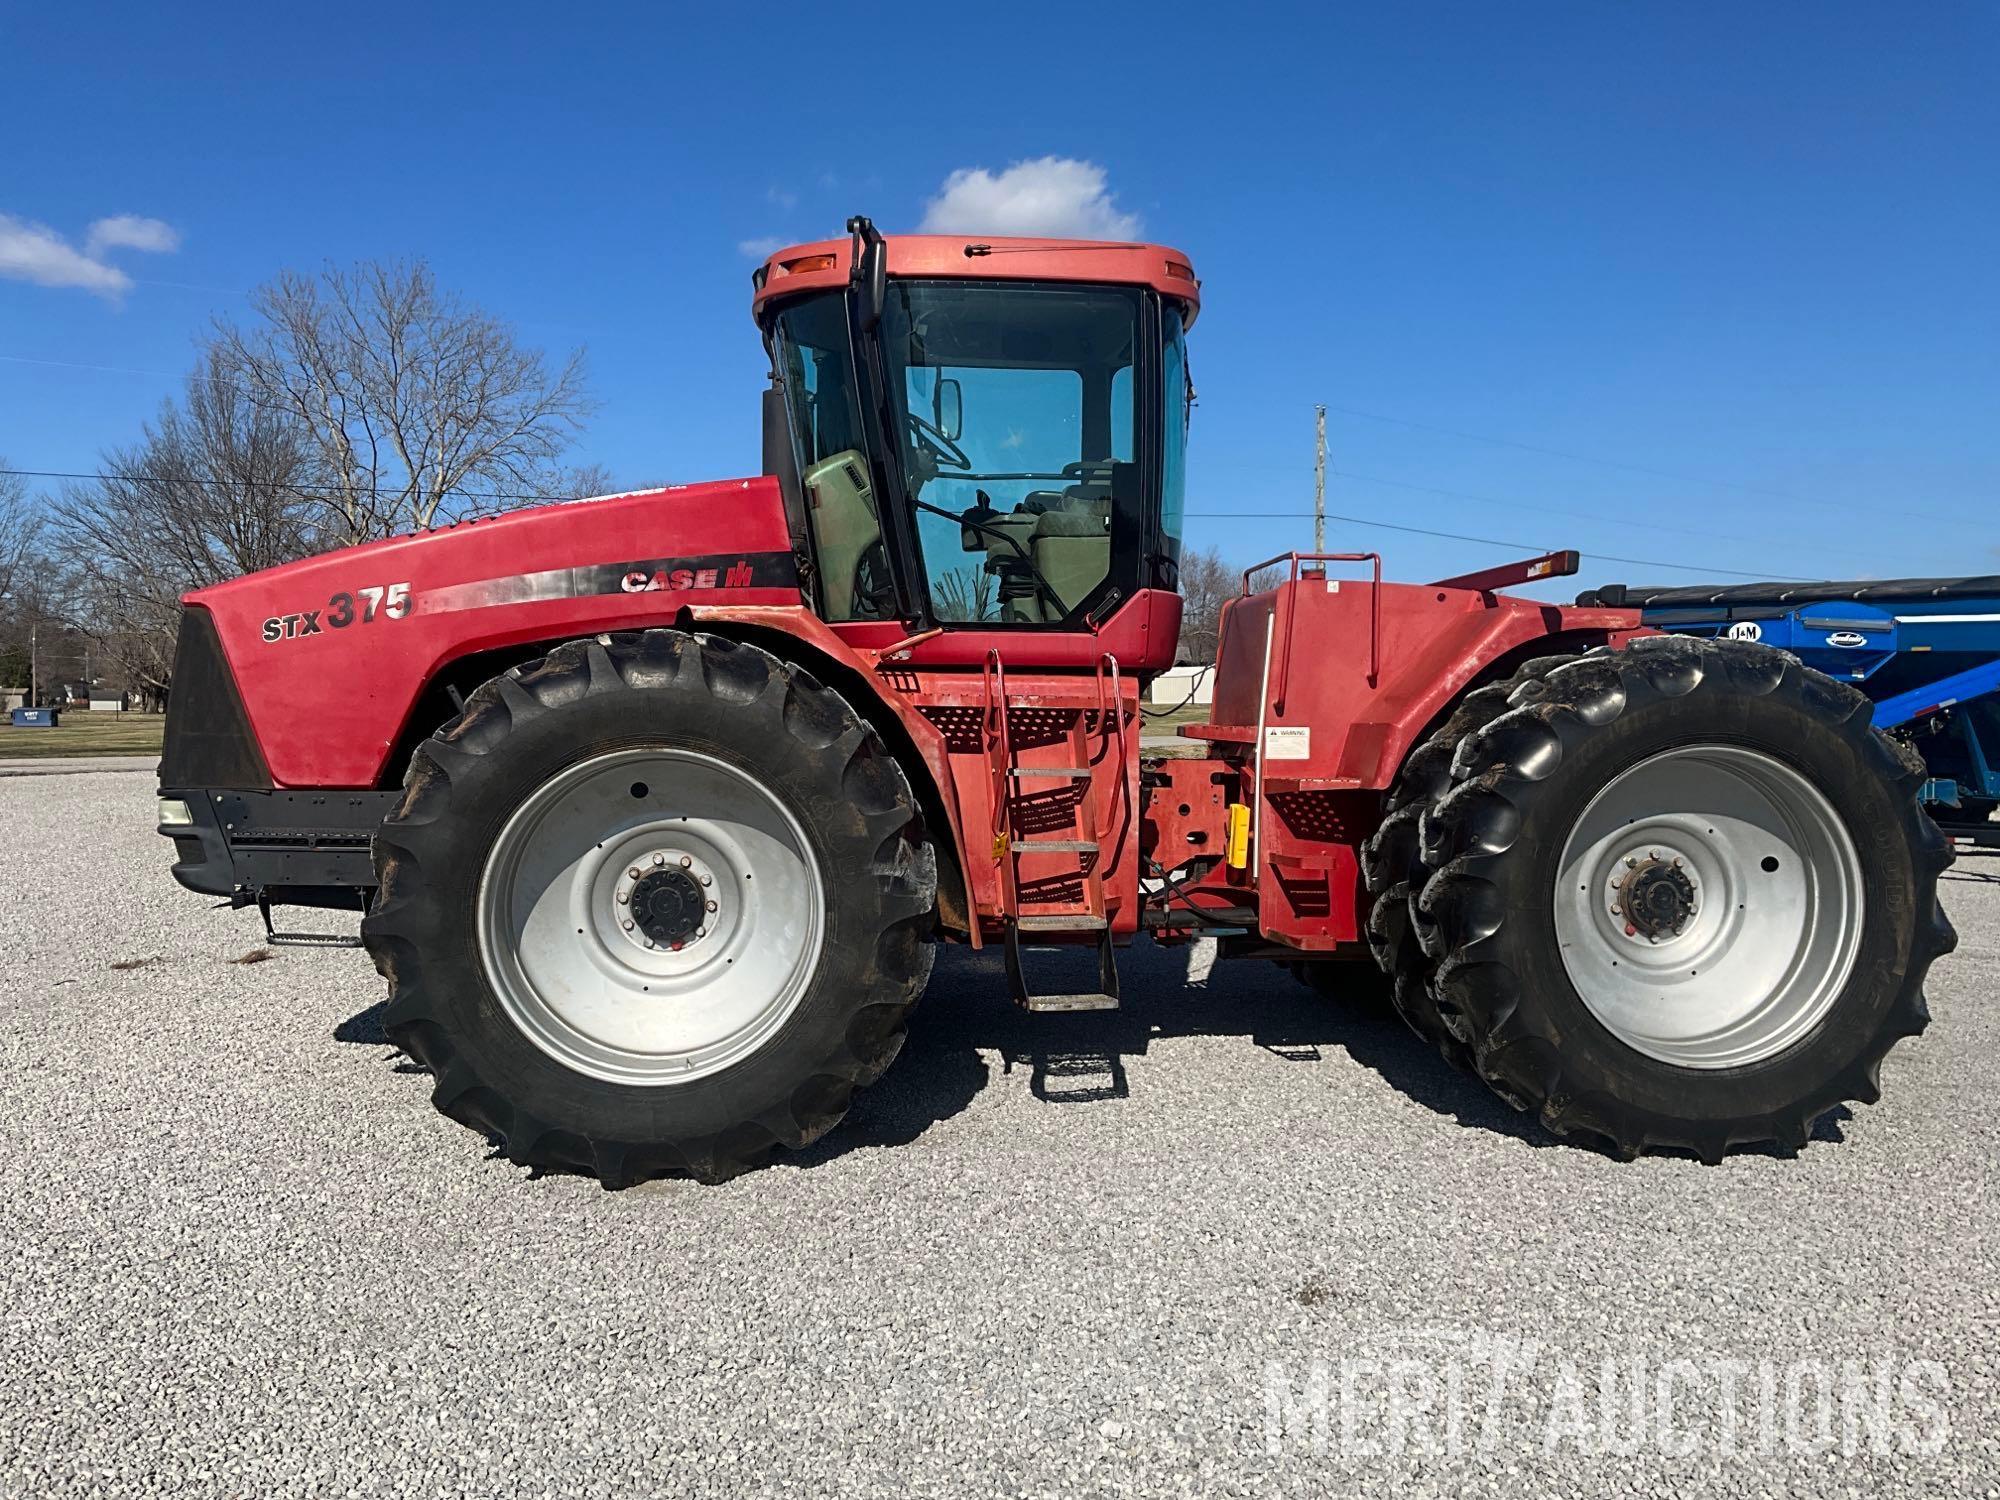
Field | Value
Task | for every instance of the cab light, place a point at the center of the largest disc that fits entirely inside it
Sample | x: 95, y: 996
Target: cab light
x: 174, y: 813
x: 806, y: 263
x: 1181, y: 269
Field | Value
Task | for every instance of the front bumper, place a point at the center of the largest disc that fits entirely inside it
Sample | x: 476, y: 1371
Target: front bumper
x: 243, y: 839
x: 292, y: 848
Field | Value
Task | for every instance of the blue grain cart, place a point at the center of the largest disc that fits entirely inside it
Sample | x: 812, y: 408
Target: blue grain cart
x: 1927, y: 650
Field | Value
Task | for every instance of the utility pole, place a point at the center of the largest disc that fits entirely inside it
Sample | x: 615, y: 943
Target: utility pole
x: 34, y: 697
x: 1319, y: 482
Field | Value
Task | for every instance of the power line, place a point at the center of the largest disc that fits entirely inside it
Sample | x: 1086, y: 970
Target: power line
x: 1581, y: 515
x: 1486, y: 541
x: 1631, y: 468
x: 313, y: 492
x: 65, y: 364
x: 1273, y: 515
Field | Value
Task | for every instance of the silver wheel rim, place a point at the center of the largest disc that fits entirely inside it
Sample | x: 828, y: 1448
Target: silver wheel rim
x: 1708, y: 906
x: 571, y: 961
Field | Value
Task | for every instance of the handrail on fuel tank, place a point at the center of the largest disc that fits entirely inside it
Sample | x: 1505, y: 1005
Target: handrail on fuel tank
x: 1292, y: 605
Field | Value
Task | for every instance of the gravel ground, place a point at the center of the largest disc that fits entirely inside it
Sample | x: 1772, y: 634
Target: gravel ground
x: 239, y: 1254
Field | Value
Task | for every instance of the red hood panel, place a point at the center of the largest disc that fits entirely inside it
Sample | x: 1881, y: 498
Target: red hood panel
x: 332, y: 652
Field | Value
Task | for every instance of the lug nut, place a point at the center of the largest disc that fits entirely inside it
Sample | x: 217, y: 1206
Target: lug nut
x: 649, y: 942
x: 701, y: 932
x: 705, y: 880
x: 1631, y: 864
x: 660, y: 859
x: 633, y: 872
x: 623, y: 897
x: 686, y: 863
x: 712, y: 906
x: 628, y: 924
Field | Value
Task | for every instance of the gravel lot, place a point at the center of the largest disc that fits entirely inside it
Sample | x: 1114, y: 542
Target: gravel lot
x: 239, y: 1253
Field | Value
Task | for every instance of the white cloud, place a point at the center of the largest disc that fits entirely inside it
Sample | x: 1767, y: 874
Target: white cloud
x: 131, y: 232
x: 34, y: 252
x: 761, y: 246
x: 1056, y: 196
x: 782, y: 197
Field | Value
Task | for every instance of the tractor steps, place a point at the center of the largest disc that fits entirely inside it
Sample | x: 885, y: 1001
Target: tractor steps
x: 1055, y: 1004
x: 1096, y: 731
x: 1062, y: 922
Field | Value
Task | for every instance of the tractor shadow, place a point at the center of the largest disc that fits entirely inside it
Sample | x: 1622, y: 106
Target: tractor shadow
x: 1079, y: 1059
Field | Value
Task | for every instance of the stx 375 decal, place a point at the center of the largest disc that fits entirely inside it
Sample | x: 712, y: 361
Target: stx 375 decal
x: 389, y: 600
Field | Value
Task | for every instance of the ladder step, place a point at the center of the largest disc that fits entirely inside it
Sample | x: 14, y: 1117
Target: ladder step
x: 1070, y: 1002
x: 1061, y: 922
x: 1053, y: 846
x: 1069, y: 773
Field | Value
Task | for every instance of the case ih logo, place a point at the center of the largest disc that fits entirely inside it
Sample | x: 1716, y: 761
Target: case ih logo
x: 739, y: 575
x: 653, y: 575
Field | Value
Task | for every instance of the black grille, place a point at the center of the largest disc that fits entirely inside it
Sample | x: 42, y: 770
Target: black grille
x: 208, y: 741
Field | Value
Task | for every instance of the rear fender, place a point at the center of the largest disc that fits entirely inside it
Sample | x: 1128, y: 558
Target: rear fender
x: 1347, y: 727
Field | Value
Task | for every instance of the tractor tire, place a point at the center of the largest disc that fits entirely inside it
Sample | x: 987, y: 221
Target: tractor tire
x: 1392, y: 866
x: 560, y: 923
x: 1641, y: 817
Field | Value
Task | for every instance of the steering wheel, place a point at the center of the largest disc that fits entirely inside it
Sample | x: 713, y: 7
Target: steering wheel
x: 938, y: 443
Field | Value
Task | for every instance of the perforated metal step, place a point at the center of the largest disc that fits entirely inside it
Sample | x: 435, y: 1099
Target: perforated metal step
x: 1039, y: 1003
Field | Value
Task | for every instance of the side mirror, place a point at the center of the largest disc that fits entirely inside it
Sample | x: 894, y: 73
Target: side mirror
x: 870, y: 268
x: 948, y: 408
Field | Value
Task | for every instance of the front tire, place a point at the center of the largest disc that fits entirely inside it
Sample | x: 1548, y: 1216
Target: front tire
x: 656, y: 902
x: 1775, y: 842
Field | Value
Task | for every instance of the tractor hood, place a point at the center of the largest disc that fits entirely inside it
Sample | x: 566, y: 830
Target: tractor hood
x: 331, y: 654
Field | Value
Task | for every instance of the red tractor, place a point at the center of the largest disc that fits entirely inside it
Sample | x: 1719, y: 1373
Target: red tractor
x: 658, y: 804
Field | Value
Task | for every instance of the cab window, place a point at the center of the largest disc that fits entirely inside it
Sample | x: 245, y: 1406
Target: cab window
x: 1017, y: 420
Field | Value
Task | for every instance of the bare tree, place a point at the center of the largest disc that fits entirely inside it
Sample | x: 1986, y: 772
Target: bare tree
x: 1206, y: 582
x: 20, y: 531
x: 218, y: 486
x: 421, y: 409
x: 966, y: 594
x: 581, y: 482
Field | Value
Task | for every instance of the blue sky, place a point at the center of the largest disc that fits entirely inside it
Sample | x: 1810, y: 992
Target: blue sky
x: 1722, y: 276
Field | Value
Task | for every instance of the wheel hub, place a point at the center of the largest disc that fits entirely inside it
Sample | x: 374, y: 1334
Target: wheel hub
x: 666, y: 899
x: 1655, y: 896
x: 668, y: 906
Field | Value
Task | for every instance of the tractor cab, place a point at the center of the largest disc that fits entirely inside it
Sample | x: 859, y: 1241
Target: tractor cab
x: 979, y: 434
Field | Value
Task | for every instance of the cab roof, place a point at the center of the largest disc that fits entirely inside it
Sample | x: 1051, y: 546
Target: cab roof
x: 825, y: 263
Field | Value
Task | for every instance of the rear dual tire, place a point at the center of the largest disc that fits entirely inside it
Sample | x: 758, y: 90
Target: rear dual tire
x: 1804, y: 861
x: 571, y: 921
